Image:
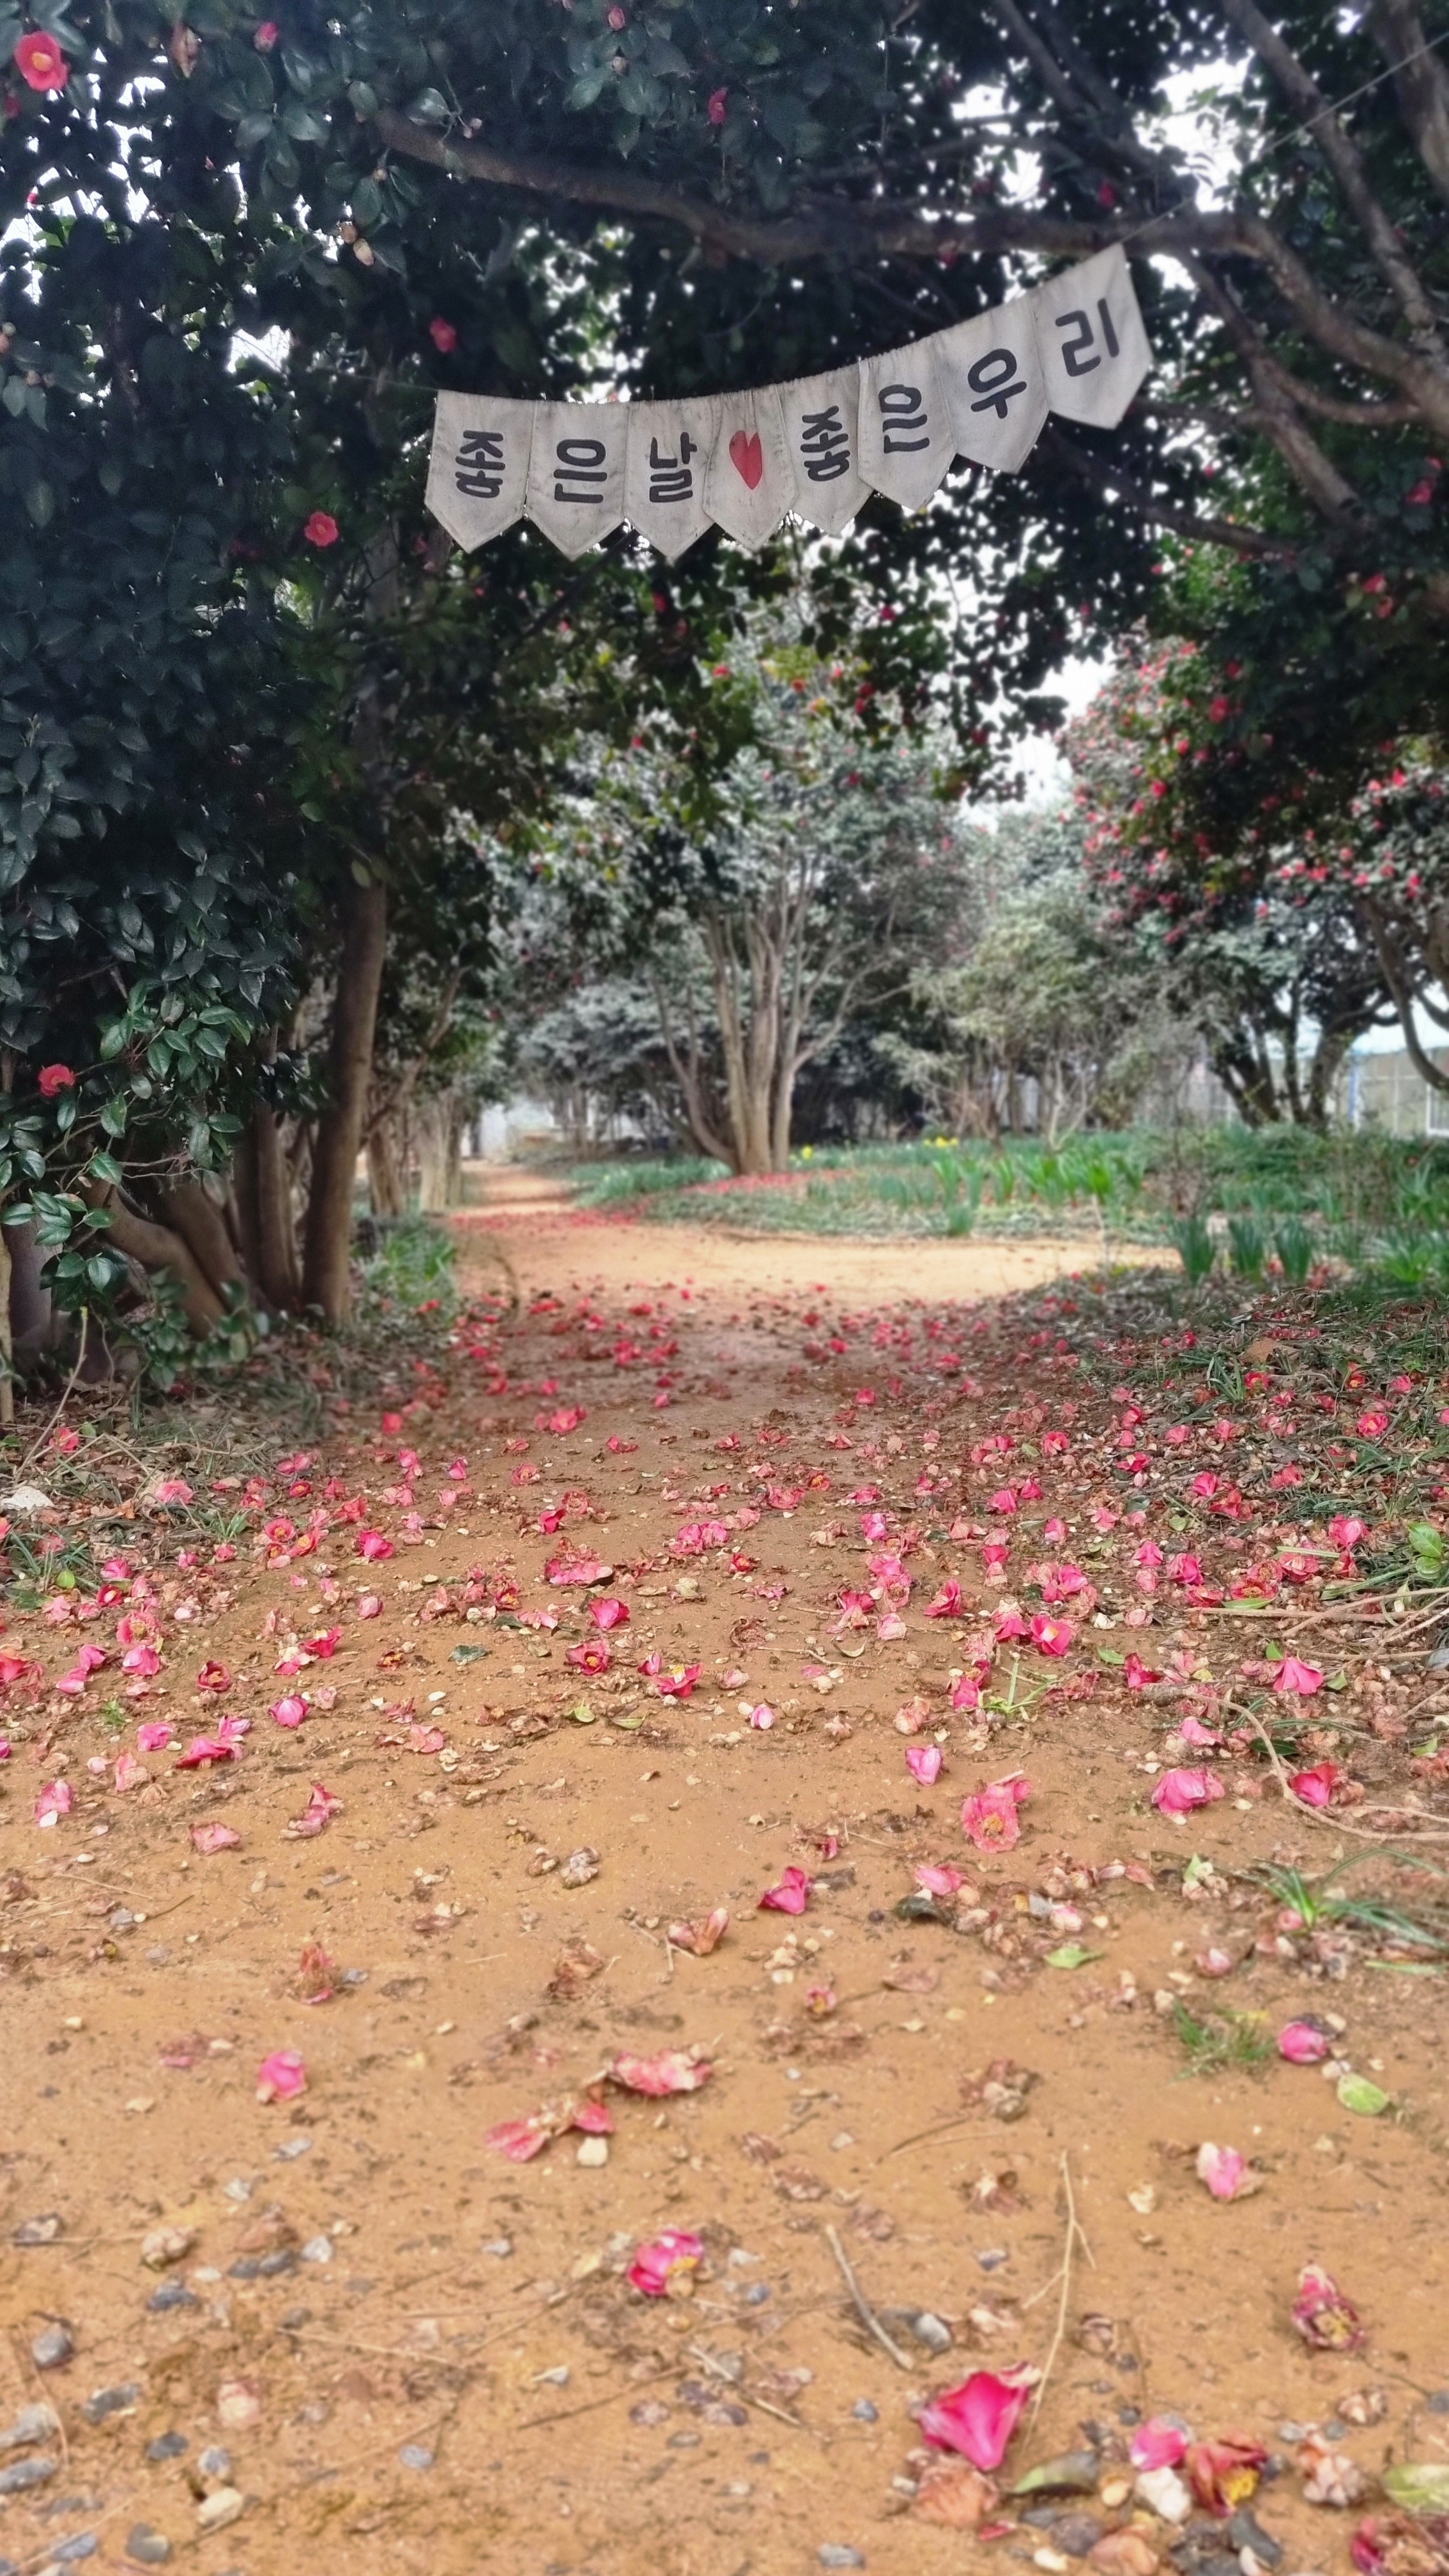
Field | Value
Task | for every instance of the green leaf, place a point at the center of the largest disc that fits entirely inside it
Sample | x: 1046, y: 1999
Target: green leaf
x: 582, y: 1714
x: 1071, y: 1954
x: 40, y: 502
x: 1418, y: 2486
x: 467, y: 1654
x: 1356, y: 2093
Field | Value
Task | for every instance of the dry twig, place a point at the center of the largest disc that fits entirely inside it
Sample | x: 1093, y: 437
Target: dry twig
x: 863, y: 2308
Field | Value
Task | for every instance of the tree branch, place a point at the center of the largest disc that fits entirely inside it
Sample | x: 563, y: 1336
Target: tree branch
x: 1345, y: 161
x: 1111, y: 479
x: 1420, y: 80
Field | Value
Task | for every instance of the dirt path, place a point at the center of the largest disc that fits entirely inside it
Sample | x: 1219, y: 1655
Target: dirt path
x: 374, y: 2342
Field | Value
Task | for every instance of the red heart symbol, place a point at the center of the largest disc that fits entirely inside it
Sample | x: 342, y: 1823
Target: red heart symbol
x: 747, y: 456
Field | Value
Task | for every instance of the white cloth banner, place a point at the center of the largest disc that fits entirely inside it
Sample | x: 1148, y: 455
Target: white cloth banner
x: 669, y: 449
x: 576, y: 472
x: 906, y: 443
x: 821, y: 417
x: 816, y: 446
x: 478, y: 471
x: 995, y: 393
x: 1092, y: 338
x: 748, y: 485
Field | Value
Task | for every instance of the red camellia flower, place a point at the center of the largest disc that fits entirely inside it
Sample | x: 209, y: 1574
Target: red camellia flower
x: 53, y: 1078
x: 40, y: 62
x: 443, y: 335
x: 321, y: 529
x: 266, y: 35
x: 718, y: 100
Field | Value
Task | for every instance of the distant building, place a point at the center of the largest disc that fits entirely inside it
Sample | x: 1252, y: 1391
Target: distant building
x: 1385, y: 1092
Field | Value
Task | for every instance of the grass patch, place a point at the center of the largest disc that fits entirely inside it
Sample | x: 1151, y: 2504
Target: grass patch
x: 1221, y: 2043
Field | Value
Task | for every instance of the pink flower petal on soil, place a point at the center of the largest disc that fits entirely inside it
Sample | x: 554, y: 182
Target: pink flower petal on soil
x: 1158, y: 2444
x: 1303, y: 2043
x: 1299, y: 1679
x: 790, y: 1894
x: 672, y: 2254
x: 923, y: 1761
x: 937, y: 1882
x: 154, y: 1736
x: 54, y: 1801
x: 672, y: 2071
x: 1178, y: 1792
x: 281, y: 2077
x: 1223, y: 2170
x: 289, y: 1711
x: 214, y: 1838
x: 978, y: 2418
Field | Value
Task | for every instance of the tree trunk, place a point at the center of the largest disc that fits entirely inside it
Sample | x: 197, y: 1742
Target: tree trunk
x: 161, y: 1247
x: 440, y: 1132
x: 7, y: 1382
x: 326, y: 1267
x: 189, y: 1208
x: 387, y: 1166
x: 31, y: 1313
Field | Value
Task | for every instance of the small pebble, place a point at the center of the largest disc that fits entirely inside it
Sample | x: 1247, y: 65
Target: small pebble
x: 170, y: 2295
x: 864, y: 2412
x: 148, y: 2548
x: 838, y: 2553
x: 27, y: 2473
x: 52, y: 2349
x: 167, y: 2446
x: 215, y: 2461
x: 227, y: 2505
x: 416, y: 2455
x: 991, y: 2257
x: 318, y: 2249
x: 291, y: 2147
x: 499, y: 2245
x: 1438, y: 2401
x: 593, y: 2151
x: 110, y: 2401
x: 757, y: 2293
x: 32, y: 2424
x: 39, y: 2231
x: 931, y: 2331
x: 83, y: 2544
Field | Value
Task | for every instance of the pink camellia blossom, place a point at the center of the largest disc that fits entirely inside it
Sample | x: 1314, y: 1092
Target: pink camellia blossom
x: 444, y: 335
x: 666, y: 2265
x: 281, y: 2077
x: 174, y: 1489
x: 965, y: 1692
x: 592, y: 1656
x: 576, y: 1569
x: 1322, y: 2315
x: 208, y: 1839
x: 155, y: 1735
x: 989, y: 1815
x: 717, y: 107
x: 1372, y: 1424
x: 607, y: 1613
x: 321, y: 529
x: 923, y: 1761
x: 1178, y: 1792
x: 940, y: 1880
x: 52, y: 1078
x: 948, y: 1603
x: 369, y: 1605
x: 1224, y: 2473
x: 129, y: 1773
x: 141, y: 1659
x: 290, y: 1710
x: 674, y: 2070
x: 1223, y: 2170
x: 978, y: 2418
x: 1159, y: 2443
x: 1297, y: 1679
x: 1193, y: 1731
x: 790, y: 1894
x: 213, y: 1676
x: 1051, y: 1636
x: 1184, y: 1569
x: 1303, y: 2043
x: 266, y: 35
x: 1003, y: 1501
x: 677, y: 1682
x: 55, y: 1800
x: 203, y: 1749
x: 373, y: 1545
x: 1315, y: 1787
x: 891, y: 1627
x: 40, y: 63
x: 1347, y: 1531
x: 316, y: 1816
x: 762, y: 1716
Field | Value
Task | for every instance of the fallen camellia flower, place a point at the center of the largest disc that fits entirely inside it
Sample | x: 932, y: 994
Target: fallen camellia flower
x: 155, y: 1735
x: 206, y: 1748
x: 1159, y: 2443
x: 952, y: 2493
x: 674, y: 2070
x: 665, y: 2268
x: 521, y: 2140
x: 214, y: 1838
x: 700, y: 1938
x: 937, y: 1881
x: 1225, y: 2172
x: 1329, y: 2476
x: 1315, y: 1787
x: 1178, y: 1792
x: 1401, y: 2544
x: 790, y: 1894
x: 1223, y: 2474
x: 318, y: 1813
x: 1303, y: 2043
x: 290, y: 1710
x: 607, y: 1613
x: 1296, y: 1678
x: 1051, y: 1636
x: 978, y: 2418
x: 213, y: 1677
x: 54, y: 1801
x: 989, y: 1817
x: 281, y: 2077
x: 373, y: 1545
x: 1323, y: 2316
x: 923, y: 1761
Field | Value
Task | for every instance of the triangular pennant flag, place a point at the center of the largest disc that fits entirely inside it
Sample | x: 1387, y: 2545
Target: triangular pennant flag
x: 905, y: 434
x: 669, y: 445
x: 821, y: 417
x: 576, y: 472
x: 1092, y: 338
x: 478, y: 470
x: 749, y: 486
x: 994, y: 389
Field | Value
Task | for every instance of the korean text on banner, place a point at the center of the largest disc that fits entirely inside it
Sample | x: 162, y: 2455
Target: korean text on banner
x: 1094, y: 346
x: 576, y: 472
x: 478, y: 470
x: 669, y: 450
